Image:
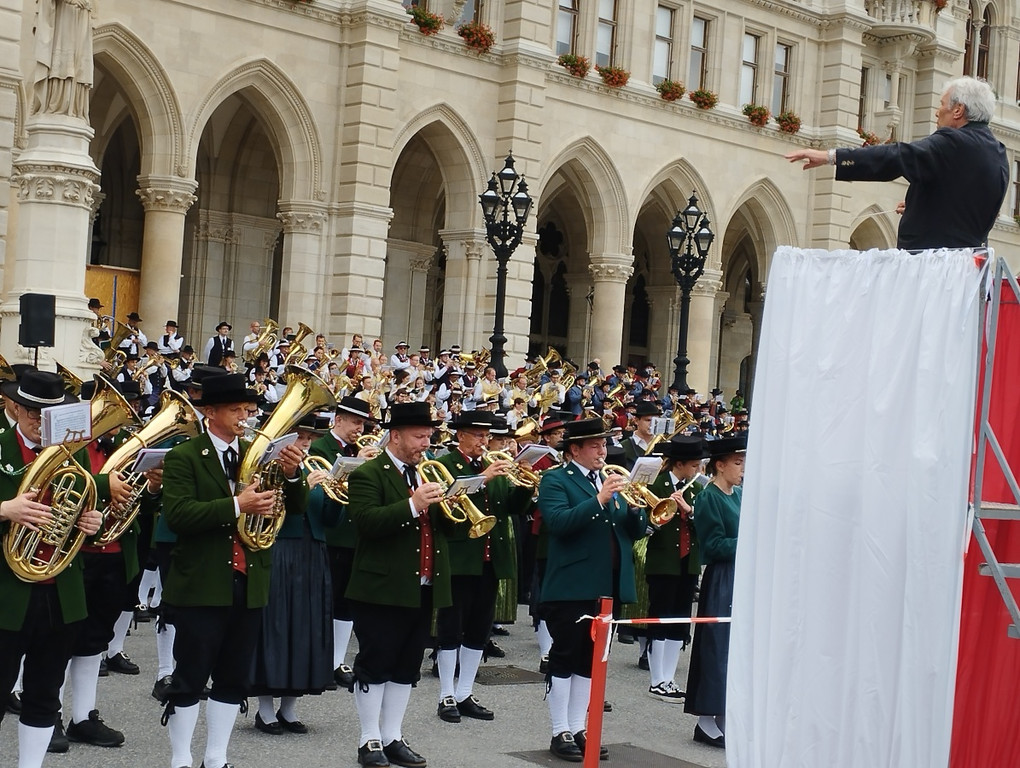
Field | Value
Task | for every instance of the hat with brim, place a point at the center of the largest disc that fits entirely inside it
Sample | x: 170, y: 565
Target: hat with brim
x: 555, y: 420
x: 354, y: 406
x: 499, y: 426
x: 585, y: 429
x: 724, y: 446
x: 225, y: 324
x: 134, y: 316
x: 38, y: 390
x: 683, y: 448
x: 645, y: 408
x: 201, y: 372
x: 471, y: 420
x: 314, y: 423
x: 401, y: 344
x: 130, y: 389
x: 410, y: 415
x: 226, y: 388
x: 95, y: 304
x: 20, y: 369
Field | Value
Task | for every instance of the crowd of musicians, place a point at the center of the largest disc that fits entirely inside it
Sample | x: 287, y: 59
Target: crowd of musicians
x: 305, y: 502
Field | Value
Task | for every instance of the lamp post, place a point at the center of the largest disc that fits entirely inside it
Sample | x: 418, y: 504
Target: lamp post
x: 505, y: 206
x: 689, y: 239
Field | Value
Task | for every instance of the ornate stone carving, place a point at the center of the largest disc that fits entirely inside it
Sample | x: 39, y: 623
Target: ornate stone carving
x: 174, y: 200
x: 302, y: 221
x: 613, y: 273
x: 420, y: 264
x: 55, y: 184
x: 97, y: 201
x: 63, y: 58
x: 89, y: 353
x: 220, y: 233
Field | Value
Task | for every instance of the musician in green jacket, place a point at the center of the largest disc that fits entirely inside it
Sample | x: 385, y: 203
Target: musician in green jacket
x: 401, y: 572
x: 216, y: 587
x: 672, y: 564
x: 38, y: 620
x: 476, y: 566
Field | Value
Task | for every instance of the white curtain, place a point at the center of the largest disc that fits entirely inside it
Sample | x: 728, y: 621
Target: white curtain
x: 854, y: 513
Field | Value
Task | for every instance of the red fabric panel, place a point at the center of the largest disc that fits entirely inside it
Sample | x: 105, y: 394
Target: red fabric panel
x: 986, y: 719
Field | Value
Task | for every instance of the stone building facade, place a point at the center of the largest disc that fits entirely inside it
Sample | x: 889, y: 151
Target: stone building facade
x: 321, y: 160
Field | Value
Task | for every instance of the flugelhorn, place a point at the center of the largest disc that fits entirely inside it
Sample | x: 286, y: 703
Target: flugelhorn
x: 334, y: 486
x: 660, y: 511
x: 459, y: 509
x: 518, y: 475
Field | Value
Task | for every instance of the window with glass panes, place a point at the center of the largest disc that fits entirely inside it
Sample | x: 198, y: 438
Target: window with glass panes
x: 662, y: 54
x: 472, y: 9
x: 781, y: 78
x: 1016, y: 188
x: 605, y: 34
x: 698, y: 71
x: 749, y: 68
x: 862, y: 99
x: 566, y: 26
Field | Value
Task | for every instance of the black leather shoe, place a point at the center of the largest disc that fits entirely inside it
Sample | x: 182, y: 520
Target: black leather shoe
x: 625, y: 637
x: 294, y: 726
x: 471, y: 707
x: 273, y: 729
x: 399, y: 753
x: 500, y: 631
x: 161, y: 688
x: 493, y: 651
x: 607, y: 706
x: 14, y: 703
x: 643, y: 661
x: 344, y: 677
x: 95, y: 732
x: 448, y: 710
x: 565, y: 748
x: 119, y: 662
x: 581, y: 739
x: 58, y: 741
x: 703, y: 738
x: 371, y: 754
x: 103, y: 671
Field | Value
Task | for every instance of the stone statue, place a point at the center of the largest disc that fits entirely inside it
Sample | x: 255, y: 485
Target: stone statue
x: 63, y: 58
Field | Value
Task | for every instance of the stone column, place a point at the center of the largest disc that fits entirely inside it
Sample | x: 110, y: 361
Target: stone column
x: 56, y: 181
x: 166, y: 201
x: 517, y: 316
x: 579, y: 324
x: 702, y: 331
x: 303, y: 278
x: 610, y: 274
x: 407, y: 266
x: 663, y: 327
x: 216, y: 239
x: 10, y: 83
x: 358, y: 270
x: 464, y: 253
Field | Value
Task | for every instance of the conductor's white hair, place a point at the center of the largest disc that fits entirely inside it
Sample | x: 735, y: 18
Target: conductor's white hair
x: 975, y: 95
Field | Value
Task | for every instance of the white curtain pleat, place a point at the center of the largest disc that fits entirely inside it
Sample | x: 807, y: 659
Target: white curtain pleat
x: 849, y: 561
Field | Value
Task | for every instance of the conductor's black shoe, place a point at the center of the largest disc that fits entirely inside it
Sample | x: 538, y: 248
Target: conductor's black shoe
x: 371, y: 754
x: 703, y: 738
x: 273, y: 729
x: 95, y: 732
x: 399, y: 753
x: 344, y: 677
x: 543, y: 664
x: 643, y: 661
x: 103, y: 670
x: 581, y: 739
x: 565, y: 748
x: 492, y: 650
x: 161, y: 688
x: 499, y: 631
x: 448, y: 710
x: 14, y: 703
x: 625, y: 637
x: 294, y: 726
x: 470, y: 707
x: 120, y: 662
x: 58, y: 741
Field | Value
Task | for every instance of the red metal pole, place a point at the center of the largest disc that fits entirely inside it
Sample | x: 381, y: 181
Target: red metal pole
x: 601, y: 630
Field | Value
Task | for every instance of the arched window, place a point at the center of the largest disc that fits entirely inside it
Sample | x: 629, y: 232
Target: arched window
x: 977, y: 44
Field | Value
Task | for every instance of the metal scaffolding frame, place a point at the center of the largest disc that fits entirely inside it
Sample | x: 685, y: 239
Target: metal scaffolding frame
x: 986, y: 439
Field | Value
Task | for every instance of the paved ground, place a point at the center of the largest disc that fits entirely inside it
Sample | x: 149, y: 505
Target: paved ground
x: 518, y: 737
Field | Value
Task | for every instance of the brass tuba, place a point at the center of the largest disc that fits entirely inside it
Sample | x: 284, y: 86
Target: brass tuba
x: 177, y: 417
x: 266, y: 340
x: 120, y: 333
x: 298, y: 352
x: 305, y: 393
x: 535, y: 373
x: 460, y: 508
x: 660, y: 511
x: 40, y: 555
x: 6, y: 372
x: 72, y: 384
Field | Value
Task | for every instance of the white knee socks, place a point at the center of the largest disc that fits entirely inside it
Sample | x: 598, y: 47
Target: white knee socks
x: 558, y: 698
x: 369, y: 704
x: 181, y: 726
x: 577, y: 707
x: 394, y: 705
x: 165, y: 651
x: 470, y: 658
x: 84, y: 676
x: 544, y: 638
x: 32, y: 744
x: 341, y: 639
x: 219, y: 722
x: 119, y: 633
x: 447, y: 663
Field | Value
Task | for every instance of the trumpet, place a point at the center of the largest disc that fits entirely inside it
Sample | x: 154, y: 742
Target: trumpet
x: 684, y: 419
x: 518, y: 475
x: 371, y: 439
x: 636, y: 494
x: 334, y: 487
x: 459, y: 508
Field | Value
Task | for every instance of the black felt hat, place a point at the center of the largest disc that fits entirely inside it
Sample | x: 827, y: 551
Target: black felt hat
x: 472, y: 420
x: 724, y: 446
x: 585, y: 429
x: 355, y: 406
x: 226, y: 388
x: 684, y: 448
x: 410, y: 415
x: 38, y: 389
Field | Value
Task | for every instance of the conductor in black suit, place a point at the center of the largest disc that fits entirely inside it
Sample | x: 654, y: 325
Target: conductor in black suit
x: 958, y: 175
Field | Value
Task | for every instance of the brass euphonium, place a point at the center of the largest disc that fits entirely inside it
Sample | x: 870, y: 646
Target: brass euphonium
x: 72, y: 384
x: 177, y: 417
x: 660, y: 511
x: 298, y: 352
x: 684, y: 419
x: 55, y: 474
x: 518, y: 475
x: 267, y: 339
x: 118, y: 335
x: 459, y: 509
x: 6, y: 372
x: 305, y: 393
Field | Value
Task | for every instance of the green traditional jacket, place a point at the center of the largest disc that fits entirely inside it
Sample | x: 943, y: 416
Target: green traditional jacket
x: 15, y: 592
x: 342, y: 533
x: 500, y: 499
x: 199, y: 508
x: 386, y: 558
x: 663, y: 554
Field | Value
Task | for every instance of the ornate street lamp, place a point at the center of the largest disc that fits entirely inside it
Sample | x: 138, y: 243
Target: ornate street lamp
x: 505, y: 206
x: 689, y: 239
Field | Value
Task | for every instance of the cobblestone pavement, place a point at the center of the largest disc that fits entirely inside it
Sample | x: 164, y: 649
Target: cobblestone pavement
x: 517, y: 738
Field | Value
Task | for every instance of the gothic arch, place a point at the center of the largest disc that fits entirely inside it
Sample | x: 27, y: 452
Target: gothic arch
x: 459, y: 157
x: 153, y: 101
x: 590, y: 169
x: 288, y: 120
x: 671, y: 188
x: 768, y: 217
x: 873, y: 228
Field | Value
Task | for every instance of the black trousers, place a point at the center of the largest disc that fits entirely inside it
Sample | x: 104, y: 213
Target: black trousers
x: 105, y: 589
x: 46, y: 643
x: 391, y: 640
x: 468, y: 621
x: 341, y: 563
x: 670, y: 597
x: 572, y: 646
x: 216, y: 641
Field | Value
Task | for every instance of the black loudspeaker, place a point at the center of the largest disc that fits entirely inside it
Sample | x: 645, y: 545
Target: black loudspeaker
x: 38, y: 320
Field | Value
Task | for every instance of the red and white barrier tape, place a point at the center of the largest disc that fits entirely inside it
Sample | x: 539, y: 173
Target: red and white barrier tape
x: 678, y: 620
